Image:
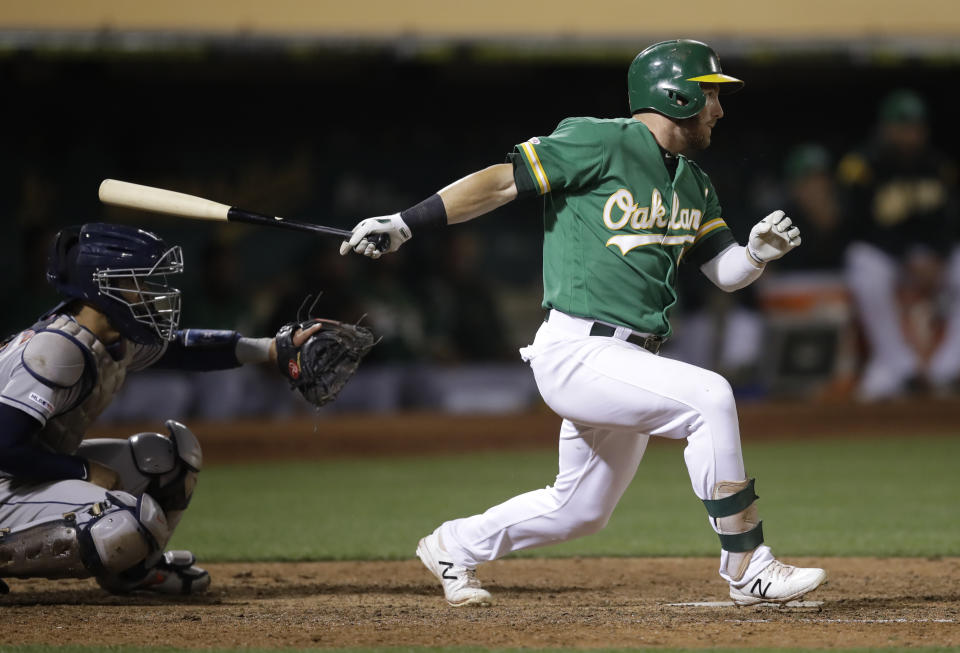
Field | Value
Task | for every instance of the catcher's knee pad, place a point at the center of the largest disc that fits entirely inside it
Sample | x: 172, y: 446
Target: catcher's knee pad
x: 119, y: 534
x: 736, y: 521
x: 134, y: 533
x: 166, y: 468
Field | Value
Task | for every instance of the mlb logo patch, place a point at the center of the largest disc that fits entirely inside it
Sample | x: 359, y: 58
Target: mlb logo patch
x: 45, y: 405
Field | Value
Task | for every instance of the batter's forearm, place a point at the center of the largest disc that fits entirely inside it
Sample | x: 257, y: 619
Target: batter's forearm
x: 732, y: 269
x: 464, y: 199
x: 479, y: 193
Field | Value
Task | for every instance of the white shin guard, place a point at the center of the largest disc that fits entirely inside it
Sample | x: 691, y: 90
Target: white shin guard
x: 737, y: 523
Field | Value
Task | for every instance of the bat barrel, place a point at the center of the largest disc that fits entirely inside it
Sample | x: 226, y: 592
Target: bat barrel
x: 160, y: 200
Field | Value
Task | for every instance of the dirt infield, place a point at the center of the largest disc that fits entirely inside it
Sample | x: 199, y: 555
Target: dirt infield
x: 589, y: 602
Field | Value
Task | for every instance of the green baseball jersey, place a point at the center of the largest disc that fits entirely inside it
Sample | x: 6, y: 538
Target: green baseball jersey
x: 616, y: 223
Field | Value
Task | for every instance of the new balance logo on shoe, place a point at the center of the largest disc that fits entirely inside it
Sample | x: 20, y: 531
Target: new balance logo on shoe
x: 447, y: 566
x: 758, y: 588
x: 460, y: 584
x: 779, y: 583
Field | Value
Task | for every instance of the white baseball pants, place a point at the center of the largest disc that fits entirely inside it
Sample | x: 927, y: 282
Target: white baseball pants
x: 612, y: 395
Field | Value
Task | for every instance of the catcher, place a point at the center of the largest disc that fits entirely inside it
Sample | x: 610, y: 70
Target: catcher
x: 107, y: 507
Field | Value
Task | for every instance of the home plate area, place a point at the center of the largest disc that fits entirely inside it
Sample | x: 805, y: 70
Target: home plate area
x: 540, y: 603
x: 815, y: 605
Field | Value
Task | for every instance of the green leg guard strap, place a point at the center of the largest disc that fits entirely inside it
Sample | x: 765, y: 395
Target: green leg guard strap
x: 742, y: 542
x: 731, y: 505
x: 734, y: 513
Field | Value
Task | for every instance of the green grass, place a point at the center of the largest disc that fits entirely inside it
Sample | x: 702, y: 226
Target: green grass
x: 887, y: 497
x: 458, y: 649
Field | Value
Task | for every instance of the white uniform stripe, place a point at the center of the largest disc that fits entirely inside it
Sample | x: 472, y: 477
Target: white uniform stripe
x: 537, y: 167
x: 707, y: 227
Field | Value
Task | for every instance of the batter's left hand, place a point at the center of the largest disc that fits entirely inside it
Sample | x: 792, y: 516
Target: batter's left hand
x: 772, y: 237
x: 365, y: 238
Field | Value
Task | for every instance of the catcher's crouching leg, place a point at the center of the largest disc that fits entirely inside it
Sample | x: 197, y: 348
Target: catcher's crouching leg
x: 114, y: 540
x: 165, y: 469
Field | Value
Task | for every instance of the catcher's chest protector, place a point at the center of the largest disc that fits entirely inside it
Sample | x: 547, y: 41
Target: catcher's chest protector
x: 64, y: 432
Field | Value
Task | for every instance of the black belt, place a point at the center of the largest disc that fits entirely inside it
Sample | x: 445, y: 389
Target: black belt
x: 650, y: 343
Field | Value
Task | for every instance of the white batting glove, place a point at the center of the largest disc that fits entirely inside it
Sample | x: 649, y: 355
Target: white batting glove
x: 772, y: 237
x: 363, y: 239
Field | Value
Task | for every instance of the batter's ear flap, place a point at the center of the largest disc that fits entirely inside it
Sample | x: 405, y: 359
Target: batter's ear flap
x: 58, y: 261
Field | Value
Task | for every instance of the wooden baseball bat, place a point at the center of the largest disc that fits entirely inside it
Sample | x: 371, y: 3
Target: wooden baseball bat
x: 160, y: 200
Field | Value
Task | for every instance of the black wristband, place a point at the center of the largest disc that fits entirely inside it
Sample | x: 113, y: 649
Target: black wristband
x: 429, y: 213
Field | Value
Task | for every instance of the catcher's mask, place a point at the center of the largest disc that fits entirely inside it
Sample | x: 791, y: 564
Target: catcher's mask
x: 121, y: 271
x: 666, y: 78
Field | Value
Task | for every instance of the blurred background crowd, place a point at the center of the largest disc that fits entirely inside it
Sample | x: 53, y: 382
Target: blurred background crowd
x: 856, y: 143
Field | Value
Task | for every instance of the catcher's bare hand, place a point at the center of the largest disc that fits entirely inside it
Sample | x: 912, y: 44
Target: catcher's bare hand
x: 364, y: 239
x: 772, y: 237
x: 102, y: 475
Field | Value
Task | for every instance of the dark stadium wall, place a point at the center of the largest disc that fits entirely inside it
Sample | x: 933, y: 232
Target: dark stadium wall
x: 336, y: 134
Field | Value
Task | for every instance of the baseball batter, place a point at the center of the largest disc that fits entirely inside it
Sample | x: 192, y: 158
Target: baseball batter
x: 623, y: 207
x: 106, y: 507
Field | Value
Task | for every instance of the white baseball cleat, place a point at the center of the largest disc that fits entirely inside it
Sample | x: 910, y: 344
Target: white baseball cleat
x: 460, y: 585
x: 778, y: 583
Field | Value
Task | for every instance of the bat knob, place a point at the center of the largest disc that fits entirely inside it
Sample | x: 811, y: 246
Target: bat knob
x: 382, y: 242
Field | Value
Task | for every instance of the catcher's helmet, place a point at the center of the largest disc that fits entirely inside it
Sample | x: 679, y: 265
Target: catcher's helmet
x: 666, y: 78
x: 121, y: 271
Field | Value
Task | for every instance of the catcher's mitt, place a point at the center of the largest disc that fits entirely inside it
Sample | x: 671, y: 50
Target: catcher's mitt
x: 321, y: 366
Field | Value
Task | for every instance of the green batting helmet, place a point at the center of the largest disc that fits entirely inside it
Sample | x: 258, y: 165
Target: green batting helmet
x: 666, y: 78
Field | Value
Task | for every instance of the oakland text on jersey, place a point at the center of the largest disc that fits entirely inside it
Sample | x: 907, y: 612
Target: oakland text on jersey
x: 621, y: 211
